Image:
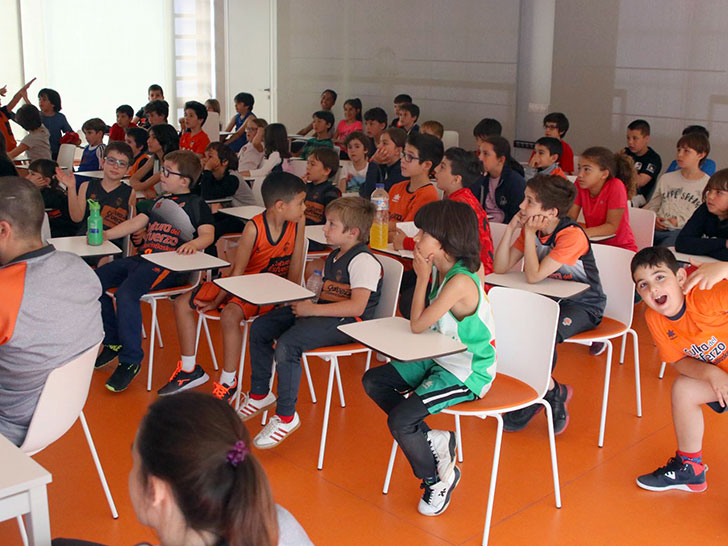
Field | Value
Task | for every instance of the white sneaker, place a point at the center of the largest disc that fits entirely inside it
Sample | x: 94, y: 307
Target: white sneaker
x: 442, y: 444
x: 436, y: 497
x: 275, y: 432
x: 249, y: 408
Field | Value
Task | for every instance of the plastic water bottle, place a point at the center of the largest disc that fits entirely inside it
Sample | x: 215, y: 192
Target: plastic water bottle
x: 95, y: 224
x: 315, y: 283
x: 379, y: 234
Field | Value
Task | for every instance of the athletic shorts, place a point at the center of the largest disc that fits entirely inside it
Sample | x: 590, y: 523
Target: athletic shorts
x: 437, y: 387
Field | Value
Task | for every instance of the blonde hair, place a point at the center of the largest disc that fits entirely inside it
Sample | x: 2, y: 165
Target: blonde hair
x: 435, y: 127
x: 354, y: 212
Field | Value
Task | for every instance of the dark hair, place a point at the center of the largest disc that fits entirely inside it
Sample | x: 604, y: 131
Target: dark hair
x: 281, y: 186
x: 376, y: 114
x: 428, y: 147
x: 53, y: 97
x: 225, y: 154
x: 464, y: 164
x: 94, y: 124
x: 695, y: 141
x: 188, y: 164
x: 412, y: 108
x: 356, y: 105
x: 501, y: 147
x: 185, y: 440
x: 214, y: 103
x: 361, y: 137
x: 719, y: 181
x: 198, y: 108
x: 275, y: 139
x: 654, y: 256
x: 553, y: 192
x: 402, y: 98
x: 328, y: 157
x: 46, y: 168
x: 28, y: 117
x: 155, y: 87
x: 330, y: 92
x: 398, y: 136
x: 553, y: 145
x: 246, y: 98
x: 125, y: 109
x: 21, y: 206
x: 121, y: 147
x: 640, y: 125
x: 618, y: 165
x: 696, y: 129
x: 487, y: 127
x: 167, y: 137
x: 139, y: 136
x: 3, y: 151
x: 160, y: 107
x: 455, y: 226
x: 325, y: 115
x: 561, y: 121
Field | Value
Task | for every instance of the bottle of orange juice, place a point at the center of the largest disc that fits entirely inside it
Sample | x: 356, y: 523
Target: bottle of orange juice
x: 379, y: 233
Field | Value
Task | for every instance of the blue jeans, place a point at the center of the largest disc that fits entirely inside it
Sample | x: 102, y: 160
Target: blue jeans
x: 666, y: 238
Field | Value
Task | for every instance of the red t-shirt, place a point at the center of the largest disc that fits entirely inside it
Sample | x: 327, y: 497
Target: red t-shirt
x: 566, y: 161
x: 612, y: 196
x: 196, y: 143
x: 117, y: 132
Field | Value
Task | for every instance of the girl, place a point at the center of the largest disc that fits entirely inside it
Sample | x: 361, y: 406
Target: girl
x: 385, y: 166
x: 604, y: 182
x: 163, y: 138
x: 277, y: 152
x: 136, y: 138
x: 49, y: 102
x: 354, y: 173
x: 448, y: 248
x: 36, y: 143
x: 502, y: 189
x: 706, y: 233
x: 351, y: 122
x: 42, y: 173
x: 212, y: 105
x: 251, y: 155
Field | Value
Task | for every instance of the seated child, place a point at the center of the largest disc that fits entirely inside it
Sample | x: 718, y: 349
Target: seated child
x: 354, y: 172
x: 706, y: 233
x: 352, y: 122
x: 327, y: 102
x: 687, y: 319
x: 178, y: 220
x: 707, y: 165
x: 352, y: 283
x: 375, y: 123
x: 545, y: 156
x: 488, y: 127
x: 276, y: 151
x: 399, y: 100
x: 42, y: 173
x: 602, y: 196
x: 553, y: 245
x: 271, y: 242
x: 136, y: 138
x: 36, y: 143
x: 501, y: 191
x: 162, y: 139
x: 678, y: 194
x: 6, y: 114
x: 447, y: 250
x: 322, y: 165
x: 93, y: 129
x: 156, y: 112
x: 154, y: 93
x: 409, y: 113
x: 252, y: 153
x: 434, y: 128
x: 49, y: 102
x: 124, y: 115
x: 217, y: 180
x: 647, y: 162
x: 194, y: 138
x: 323, y: 122
x: 385, y: 167
x: 556, y: 125
x: 243, y: 113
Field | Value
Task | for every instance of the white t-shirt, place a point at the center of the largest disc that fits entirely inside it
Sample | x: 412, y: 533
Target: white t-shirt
x: 364, y: 272
x: 354, y: 179
x: 677, y: 197
x: 249, y: 158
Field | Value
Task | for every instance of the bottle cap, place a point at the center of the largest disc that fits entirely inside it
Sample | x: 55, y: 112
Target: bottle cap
x: 379, y: 186
x: 317, y: 271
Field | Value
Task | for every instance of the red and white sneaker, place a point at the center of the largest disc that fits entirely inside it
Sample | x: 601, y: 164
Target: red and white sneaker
x: 249, y: 408
x: 275, y: 432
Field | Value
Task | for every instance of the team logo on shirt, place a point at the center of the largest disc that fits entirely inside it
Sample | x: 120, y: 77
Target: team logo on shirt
x: 650, y: 168
x: 396, y: 197
x: 671, y: 334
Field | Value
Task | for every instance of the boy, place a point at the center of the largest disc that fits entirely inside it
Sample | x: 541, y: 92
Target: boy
x: 243, y: 111
x: 49, y: 103
x: 322, y: 122
x: 157, y: 111
x: 375, y: 123
x: 217, y: 180
x: 707, y: 165
x: 6, y: 114
x: 321, y: 189
x: 556, y: 125
x: 408, y: 115
x: 687, y: 319
x: 136, y: 138
x: 545, y: 156
x: 485, y: 128
x: 678, y: 194
x: 124, y: 115
x: 327, y: 102
x: 93, y: 129
x: 352, y: 281
x: 178, y: 220
x: 647, y: 161
x: 399, y: 100
x: 154, y: 93
x: 271, y: 242
x: 553, y: 245
x: 194, y: 138
x: 434, y: 128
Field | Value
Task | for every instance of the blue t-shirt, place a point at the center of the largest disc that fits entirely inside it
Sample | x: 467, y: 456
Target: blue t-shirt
x: 708, y: 166
x: 55, y: 124
x: 243, y: 140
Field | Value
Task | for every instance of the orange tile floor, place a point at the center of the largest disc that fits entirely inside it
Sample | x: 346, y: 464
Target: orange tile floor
x: 343, y: 504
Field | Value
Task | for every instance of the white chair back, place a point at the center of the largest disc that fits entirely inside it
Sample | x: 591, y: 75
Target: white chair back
x: 66, y: 155
x: 297, y: 167
x: 497, y: 230
x: 450, y: 139
x: 257, y: 194
x: 614, y: 271
x: 303, y: 265
x: 45, y: 229
x: 391, y: 280
x: 642, y: 222
x: 212, y: 126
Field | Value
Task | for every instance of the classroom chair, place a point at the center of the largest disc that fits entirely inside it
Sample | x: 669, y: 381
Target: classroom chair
x: 212, y: 126
x: 66, y: 156
x: 642, y: 223
x: 450, y: 139
x: 297, y: 166
x: 522, y: 377
x: 497, y: 230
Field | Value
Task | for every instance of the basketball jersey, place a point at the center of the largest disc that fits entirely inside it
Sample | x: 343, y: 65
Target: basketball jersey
x: 337, y: 284
x: 114, y: 204
x: 269, y: 256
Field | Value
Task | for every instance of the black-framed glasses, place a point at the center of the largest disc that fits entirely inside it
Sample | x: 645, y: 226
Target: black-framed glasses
x: 550, y: 126
x: 408, y: 157
x: 123, y: 163
x: 167, y: 172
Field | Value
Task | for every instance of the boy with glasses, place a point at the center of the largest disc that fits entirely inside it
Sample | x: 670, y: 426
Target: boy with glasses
x: 556, y: 125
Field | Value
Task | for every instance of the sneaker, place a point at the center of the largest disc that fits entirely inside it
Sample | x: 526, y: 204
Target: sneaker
x: 182, y: 380
x: 513, y: 421
x: 107, y: 355
x: 223, y: 391
x: 676, y: 474
x: 558, y: 398
x: 275, y: 432
x: 442, y: 444
x: 436, y: 497
x: 249, y: 408
x: 597, y: 348
x: 122, y: 376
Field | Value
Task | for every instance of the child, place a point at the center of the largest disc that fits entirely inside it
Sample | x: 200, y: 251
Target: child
x: 124, y: 115
x: 647, y: 161
x: 93, y: 129
x: 213, y: 105
x: 276, y: 151
x: 243, y: 112
x: 217, y: 180
x: 707, y: 165
x: 686, y: 317
x: 181, y: 221
x: 194, y: 138
x: 49, y: 102
x: 706, y: 233
x: 322, y: 123
x: 545, y: 156
x: 322, y: 165
x: 163, y: 139
x: 352, y: 282
x: 350, y: 123
x: 602, y: 196
x: 488, y: 127
x: 354, y: 173
x: 399, y: 100
x: 553, y: 245
x: 271, y: 242
x: 556, y: 125
x: 42, y: 173
x: 409, y: 113
x: 154, y: 93
x: 327, y: 102
x: 156, y: 112
x: 434, y: 128
x: 501, y: 191
x: 448, y: 251
x: 136, y: 138
x: 252, y: 154
x: 6, y: 113
x: 678, y: 194
x: 385, y: 167
x: 375, y: 123
x: 36, y: 143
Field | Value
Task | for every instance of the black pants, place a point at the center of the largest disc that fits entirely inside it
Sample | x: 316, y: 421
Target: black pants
x: 573, y: 319
x: 407, y: 292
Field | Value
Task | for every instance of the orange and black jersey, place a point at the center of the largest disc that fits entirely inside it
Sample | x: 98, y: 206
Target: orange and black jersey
x: 173, y: 221
x: 114, y: 204
x: 267, y: 255
x: 317, y: 197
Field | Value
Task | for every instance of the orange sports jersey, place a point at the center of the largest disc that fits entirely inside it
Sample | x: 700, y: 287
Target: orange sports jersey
x: 138, y: 162
x: 700, y: 331
x: 404, y: 204
x: 196, y: 143
x: 270, y: 256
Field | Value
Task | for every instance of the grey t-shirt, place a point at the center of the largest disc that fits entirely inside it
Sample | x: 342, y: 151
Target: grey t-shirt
x: 291, y: 533
x: 38, y: 143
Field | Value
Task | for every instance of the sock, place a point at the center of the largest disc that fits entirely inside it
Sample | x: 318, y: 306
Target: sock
x: 258, y: 396
x: 228, y: 378
x: 285, y: 418
x: 188, y: 363
x: 696, y: 458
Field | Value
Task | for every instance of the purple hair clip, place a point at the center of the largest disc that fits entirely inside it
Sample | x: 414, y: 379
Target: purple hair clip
x: 237, y: 454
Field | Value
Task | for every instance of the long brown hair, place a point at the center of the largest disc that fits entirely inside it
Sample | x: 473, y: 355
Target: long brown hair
x: 619, y: 166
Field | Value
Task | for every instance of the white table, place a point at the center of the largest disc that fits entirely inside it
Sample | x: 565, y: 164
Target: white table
x: 78, y: 245
x: 299, y: 137
x: 90, y: 174
x: 393, y: 337
x: 554, y: 288
x: 682, y: 257
x: 227, y: 133
x: 409, y: 254
x: 23, y: 491
x: 219, y: 200
x: 264, y: 289
x: 246, y: 212
x: 598, y: 238
x: 316, y: 233
x: 173, y: 261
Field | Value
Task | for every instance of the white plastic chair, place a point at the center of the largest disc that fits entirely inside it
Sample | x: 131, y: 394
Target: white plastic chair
x: 614, y: 271
x: 66, y: 156
x: 450, y: 139
x: 522, y: 378
x: 298, y: 167
x: 642, y: 222
x: 212, y: 126
x: 497, y: 231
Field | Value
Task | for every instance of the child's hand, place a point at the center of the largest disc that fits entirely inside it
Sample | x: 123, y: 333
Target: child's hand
x: 536, y: 223
x: 672, y: 221
x: 304, y: 308
x: 516, y: 222
x: 67, y: 178
x: 187, y: 248
x: 718, y: 380
x: 398, y: 238
x: 380, y: 156
x: 706, y: 276
x: 660, y: 223
x: 138, y: 237
x: 421, y: 264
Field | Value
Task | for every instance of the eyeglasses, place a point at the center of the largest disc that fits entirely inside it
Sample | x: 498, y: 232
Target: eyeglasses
x: 550, y: 126
x: 167, y: 172
x: 408, y: 158
x: 123, y: 163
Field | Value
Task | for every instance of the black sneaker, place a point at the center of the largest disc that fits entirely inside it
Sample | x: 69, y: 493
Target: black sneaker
x: 182, y: 380
x: 122, y: 376
x: 513, y: 421
x: 676, y: 474
x: 558, y: 398
x: 107, y: 355
x: 225, y: 392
